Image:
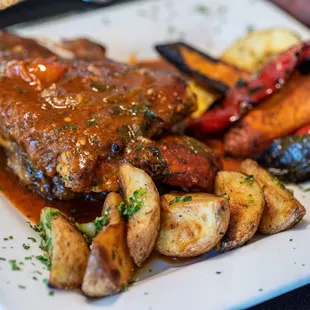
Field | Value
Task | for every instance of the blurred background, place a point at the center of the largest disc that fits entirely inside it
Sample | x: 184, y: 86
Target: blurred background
x: 16, y: 11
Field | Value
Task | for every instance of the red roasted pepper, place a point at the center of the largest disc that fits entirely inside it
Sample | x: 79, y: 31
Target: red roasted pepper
x: 247, y: 94
x: 303, y: 131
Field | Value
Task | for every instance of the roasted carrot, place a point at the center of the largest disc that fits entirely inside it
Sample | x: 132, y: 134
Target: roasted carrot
x: 202, y: 67
x: 279, y: 115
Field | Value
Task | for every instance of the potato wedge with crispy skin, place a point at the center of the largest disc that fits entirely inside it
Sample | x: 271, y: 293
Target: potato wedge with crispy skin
x: 110, y: 266
x: 143, y: 225
x: 246, y: 203
x: 67, y: 249
x: 191, y: 224
x: 282, y: 210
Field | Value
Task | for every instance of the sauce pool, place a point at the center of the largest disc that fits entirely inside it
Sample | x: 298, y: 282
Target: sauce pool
x: 30, y: 204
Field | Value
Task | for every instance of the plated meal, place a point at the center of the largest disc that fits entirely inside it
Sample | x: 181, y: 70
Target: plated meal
x: 177, y: 156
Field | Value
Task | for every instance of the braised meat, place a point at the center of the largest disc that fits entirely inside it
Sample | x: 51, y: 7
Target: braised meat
x: 75, y: 118
x: 83, y: 48
x: 177, y: 161
x: 15, y: 47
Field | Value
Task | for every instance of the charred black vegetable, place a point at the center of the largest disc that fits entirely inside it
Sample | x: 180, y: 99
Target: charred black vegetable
x: 288, y: 158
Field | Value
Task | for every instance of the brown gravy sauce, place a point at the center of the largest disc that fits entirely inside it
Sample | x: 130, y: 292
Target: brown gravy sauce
x: 30, y: 203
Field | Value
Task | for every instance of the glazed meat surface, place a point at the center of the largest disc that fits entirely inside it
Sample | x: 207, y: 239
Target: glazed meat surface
x: 15, y: 47
x: 73, y: 119
x: 176, y: 160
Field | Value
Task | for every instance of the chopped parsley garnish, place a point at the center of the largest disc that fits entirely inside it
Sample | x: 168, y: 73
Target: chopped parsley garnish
x: 146, y: 110
x: 133, y: 204
x: 250, y: 198
x: 35, y: 278
x: 28, y: 257
x: 32, y: 239
x: 26, y: 246
x: 45, y: 281
x: 51, y: 293
x: 44, y: 259
x: 92, y: 121
x: 202, y: 9
x: 91, y: 229
x: 22, y: 286
x: 181, y: 199
x: 226, y: 196
x: 14, y: 265
x: 248, y: 180
x: 2, y: 258
x: 291, y: 191
x: 218, y: 272
x: 5, y: 239
x: 124, y: 288
x: 68, y: 126
x: 277, y: 181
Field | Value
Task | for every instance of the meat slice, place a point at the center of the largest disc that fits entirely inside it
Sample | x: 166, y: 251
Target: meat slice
x: 83, y: 48
x: 176, y: 160
x: 15, y: 47
x: 73, y: 119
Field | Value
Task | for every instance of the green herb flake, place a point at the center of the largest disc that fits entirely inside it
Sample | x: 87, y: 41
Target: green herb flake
x: 32, y: 239
x: 202, y: 9
x: 37, y: 272
x: 6, y: 239
x: 27, y: 257
x: 11, y: 237
x: 14, y: 265
x: 291, y: 191
x: 35, y: 278
x: 226, y: 196
x: 249, y: 180
x: 23, y: 91
x: 92, y: 121
x: 181, y: 199
x: 68, y: 126
x: 51, y: 293
x: 45, y: 260
x: 22, y: 286
x: 124, y: 288
x: 2, y: 258
x: 133, y: 204
x: 26, y: 246
x: 45, y: 281
x: 277, y: 181
x: 250, y: 198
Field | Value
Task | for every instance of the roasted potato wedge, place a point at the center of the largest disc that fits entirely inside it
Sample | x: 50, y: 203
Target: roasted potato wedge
x: 254, y: 50
x: 110, y: 266
x: 282, y: 210
x: 246, y: 204
x: 191, y: 224
x: 143, y: 225
x: 67, y: 249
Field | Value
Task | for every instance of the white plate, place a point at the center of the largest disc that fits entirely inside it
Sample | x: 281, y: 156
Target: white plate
x: 265, y: 268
